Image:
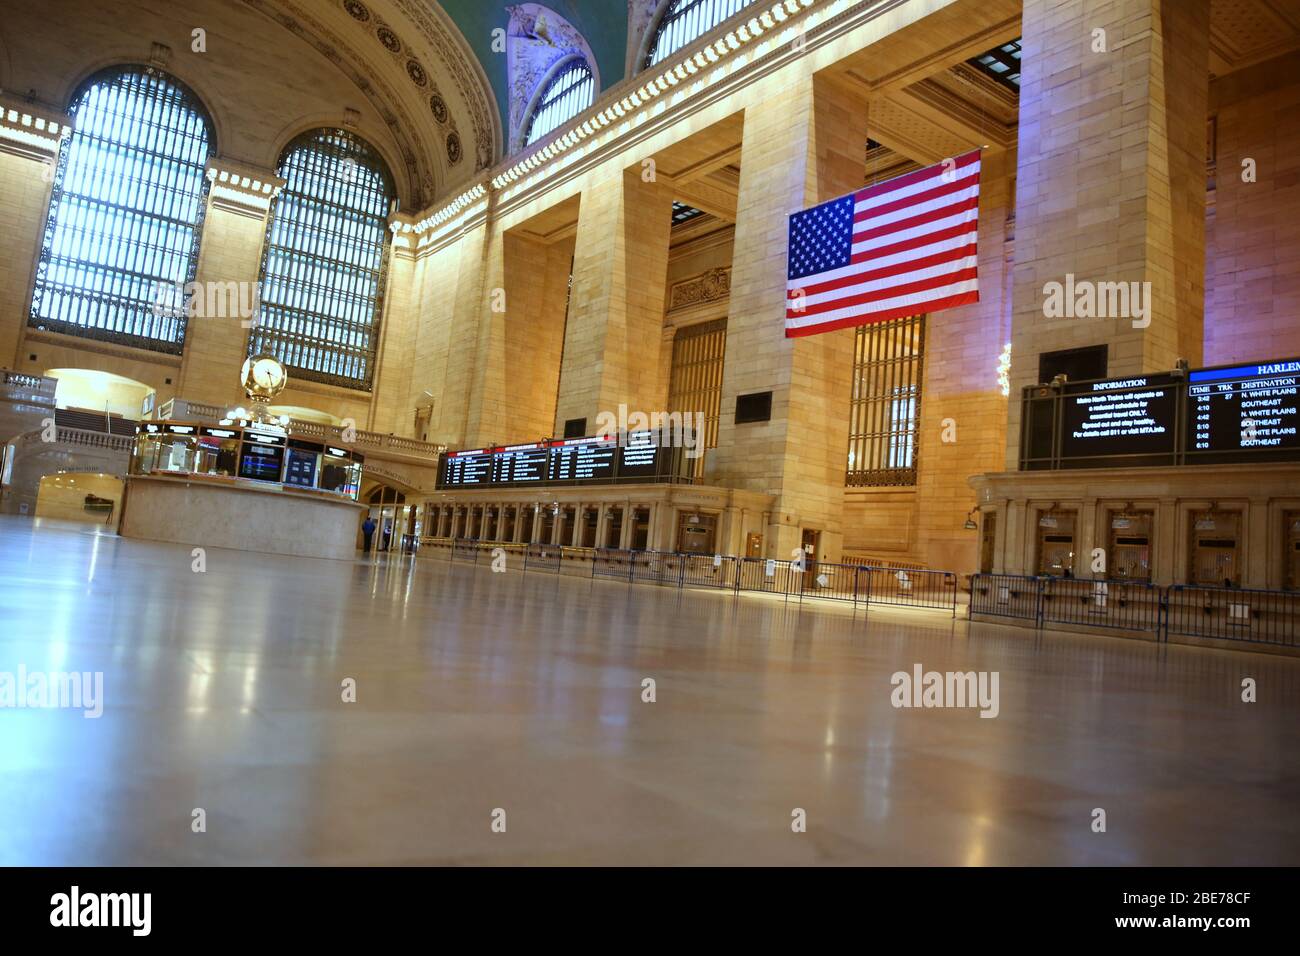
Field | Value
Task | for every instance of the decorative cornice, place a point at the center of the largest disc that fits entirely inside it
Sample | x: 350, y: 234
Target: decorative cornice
x: 243, y: 189
x: 34, y: 133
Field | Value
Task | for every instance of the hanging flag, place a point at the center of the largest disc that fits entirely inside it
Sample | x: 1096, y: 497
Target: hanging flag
x: 897, y: 248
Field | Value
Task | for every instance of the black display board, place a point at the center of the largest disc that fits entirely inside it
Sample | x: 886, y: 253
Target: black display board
x: 1243, y: 410
x: 590, y: 460
x: 1220, y: 415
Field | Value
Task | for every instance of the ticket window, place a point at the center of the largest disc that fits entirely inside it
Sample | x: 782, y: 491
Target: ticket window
x: 988, y: 540
x: 640, y: 529
x: 506, y: 526
x: 1129, y: 557
x: 340, y: 472
x: 753, y: 545
x: 697, y: 533
x: 567, y: 517
x: 1292, y: 542
x: 491, y: 524
x: 547, y: 518
x: 525, y: 519
x: 217, y: 455
x: 1215, y: 541
x: 1056, y: 530
x: 590, y: 517
x: 614, y: 528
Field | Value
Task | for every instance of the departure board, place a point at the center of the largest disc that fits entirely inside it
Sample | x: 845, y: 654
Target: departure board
x: 521, y: 463
x: 1220, y: 415
x: 583, y: 459
x: 468, y: 468
x: 1244, y: 408
x: 594, y: 460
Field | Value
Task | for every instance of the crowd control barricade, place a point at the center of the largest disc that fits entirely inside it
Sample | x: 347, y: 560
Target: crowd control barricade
x: 1233, y: 614
x: 708, y: 570
x: 1016, y: 596
x: 542, y: 557
x: 900, y: 587
x: 612, y: 563
x: 768, y: 575
x: 1124, y: 605
x: 465, y: 549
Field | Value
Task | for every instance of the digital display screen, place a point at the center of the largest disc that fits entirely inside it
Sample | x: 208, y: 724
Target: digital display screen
x: 521, y: 464
x: 1238, y: 413
x: 300, y: 467
x: 594, y: 459
x: 583, y: 459
x: 639, y: 456
x: 1245, y: 408
x: 1135, y: 416
x: 468, y: 468
x: 260, y: 462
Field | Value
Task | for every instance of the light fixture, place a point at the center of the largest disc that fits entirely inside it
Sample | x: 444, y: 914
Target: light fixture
x: 970, y: 524
x: 1004, y: 369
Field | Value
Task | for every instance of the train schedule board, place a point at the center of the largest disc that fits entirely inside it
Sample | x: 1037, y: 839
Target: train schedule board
x: 583, y: 459
x: 521, y: 464
x: 468, y: 469
x: 1244, y: 412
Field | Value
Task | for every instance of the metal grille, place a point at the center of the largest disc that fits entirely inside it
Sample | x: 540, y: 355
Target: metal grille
x: 126, y: 212
x: 696, y: 381
x: 686, y: 21
x: 888, y: 359
x: 326, y: 253
x: 569, y: 92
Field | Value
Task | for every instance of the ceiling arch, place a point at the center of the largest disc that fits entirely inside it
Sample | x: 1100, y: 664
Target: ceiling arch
x: 417, y: 73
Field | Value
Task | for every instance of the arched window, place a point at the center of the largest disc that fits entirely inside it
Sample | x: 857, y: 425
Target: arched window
x: 125, y: 212
x: 568, y: 92
x: 685, y: 21
x: 324, y: 260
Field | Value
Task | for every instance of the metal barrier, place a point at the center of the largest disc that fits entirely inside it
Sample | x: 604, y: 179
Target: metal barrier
x: 1007, y: 595
x: 543, y: 557
x: 908, y: 588
x: 465, y: 549
x: 1233, y: 614
x: 1130, y: 605
x: 612, y: 563
x: 768, y: 575
x: 835, y: 582
x: 657, y: 567
x: 708, y: 571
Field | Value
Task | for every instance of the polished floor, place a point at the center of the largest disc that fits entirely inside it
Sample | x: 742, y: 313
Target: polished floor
x: 478, y: 691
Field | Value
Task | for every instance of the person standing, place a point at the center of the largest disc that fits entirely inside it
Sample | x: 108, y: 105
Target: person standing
x: 367, y: 533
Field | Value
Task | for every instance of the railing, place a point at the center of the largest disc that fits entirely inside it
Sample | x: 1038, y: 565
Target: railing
x: 22, y: 387
x: 1185, y: 610
x: 1234, y: 614
x: 1127, y: 605
x: 902, y: 588
x: 1007, y: 595
x: 543, y: 557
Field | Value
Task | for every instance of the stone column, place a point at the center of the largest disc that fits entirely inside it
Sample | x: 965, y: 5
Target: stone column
x: 616, y: 306
x: 1110, y: 185
x: 801, y: 147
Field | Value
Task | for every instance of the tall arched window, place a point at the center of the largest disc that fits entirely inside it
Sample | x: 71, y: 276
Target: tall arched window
x: 126, y: 211
x: 686, y: 20
x: 324, y: 260
x: 568, y: 92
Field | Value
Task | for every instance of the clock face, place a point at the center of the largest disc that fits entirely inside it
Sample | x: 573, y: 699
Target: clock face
x: 264, y: 374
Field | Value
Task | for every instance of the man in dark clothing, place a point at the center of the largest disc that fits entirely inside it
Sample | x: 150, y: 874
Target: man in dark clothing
x: 367, y: 532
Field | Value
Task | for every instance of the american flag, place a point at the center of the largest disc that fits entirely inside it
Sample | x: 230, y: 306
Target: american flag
x: 898, y: 248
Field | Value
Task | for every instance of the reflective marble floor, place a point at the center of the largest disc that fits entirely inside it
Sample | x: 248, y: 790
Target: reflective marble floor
x: 478, y: 691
